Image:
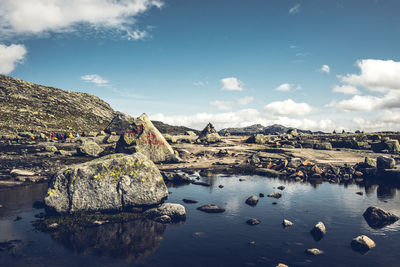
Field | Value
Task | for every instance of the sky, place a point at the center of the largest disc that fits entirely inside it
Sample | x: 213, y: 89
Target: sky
x: 319, y: 65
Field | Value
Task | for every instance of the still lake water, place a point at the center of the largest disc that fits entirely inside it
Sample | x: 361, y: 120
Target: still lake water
x: 214, y: 239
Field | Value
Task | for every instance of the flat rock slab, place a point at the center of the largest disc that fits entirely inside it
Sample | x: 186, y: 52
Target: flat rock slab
x: 211, y: 208
x: 19, y: 172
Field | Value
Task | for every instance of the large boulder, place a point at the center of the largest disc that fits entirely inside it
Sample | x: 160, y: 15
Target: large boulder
x: 119, y: 123
x: 209, y: 135
x: 292, y: 132
x: 257, y: 139
x: 89, y: 148
x: 323, y: 146
x: 391, y: 146
x: 141, y: 136
x: 385, y: 163
x: 113, y: 182
x: 378, y: 218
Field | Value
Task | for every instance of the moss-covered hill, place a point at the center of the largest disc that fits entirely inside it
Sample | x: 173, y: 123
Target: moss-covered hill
x: 28, y: 106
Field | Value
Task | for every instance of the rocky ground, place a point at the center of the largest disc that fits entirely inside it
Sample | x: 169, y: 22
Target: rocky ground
x: 29, y: 161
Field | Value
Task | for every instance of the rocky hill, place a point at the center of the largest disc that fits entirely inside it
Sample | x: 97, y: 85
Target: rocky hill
x: 28, y: 106
x: 259, y: 129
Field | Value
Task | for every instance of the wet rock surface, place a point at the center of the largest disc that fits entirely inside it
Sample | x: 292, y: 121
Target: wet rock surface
x: 378, y: 218
x: 167, y: 212
x: 252, y: 200
x: 211, y: 208
x: 318, y: 231
x: 362, y: 244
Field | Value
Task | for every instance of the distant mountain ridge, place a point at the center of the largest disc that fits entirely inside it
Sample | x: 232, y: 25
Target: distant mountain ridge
x: 259, y: 129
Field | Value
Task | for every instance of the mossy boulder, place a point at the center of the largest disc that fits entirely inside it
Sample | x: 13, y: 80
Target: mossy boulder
x: 209, y: 135
x: 257, y: 139
x: 141, y: 136
x: 170, y: 139
x: 392, y: 146
x: 323, y: 146
x: 113, y: 182
x: 89, y: 148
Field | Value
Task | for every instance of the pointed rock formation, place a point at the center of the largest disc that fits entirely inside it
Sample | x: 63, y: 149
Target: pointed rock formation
x: 209, y: 135
x: 141, y: 136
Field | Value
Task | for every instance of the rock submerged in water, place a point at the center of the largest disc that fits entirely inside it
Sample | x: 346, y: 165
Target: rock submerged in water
x: 286, y: 223
x: 167, y: 213
x: 211, y: 208
x: 275, y: 195
x: 318, y: 231
x: 113, y: 182
x: 378, y: 218
x: 253, y: 221
x: 362, y: 243
x: 313, y: 251
x: 252, y: 200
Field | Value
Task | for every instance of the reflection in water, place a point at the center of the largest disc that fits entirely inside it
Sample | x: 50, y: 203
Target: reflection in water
x: 385, y: 192
x: 370, y: 189
x: 134, y: 240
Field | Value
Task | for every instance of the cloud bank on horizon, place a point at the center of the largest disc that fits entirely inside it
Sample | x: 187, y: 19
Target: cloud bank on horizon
x: 263, y: 63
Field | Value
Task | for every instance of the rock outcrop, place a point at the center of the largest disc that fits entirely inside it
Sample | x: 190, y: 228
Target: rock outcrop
x: 141, y: 136
x: 113, y: 182
x: 29, y: 106
x: 119, y: 123
x: 209, y: 135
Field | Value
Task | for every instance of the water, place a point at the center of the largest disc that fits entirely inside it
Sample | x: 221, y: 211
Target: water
x: 214, y: 239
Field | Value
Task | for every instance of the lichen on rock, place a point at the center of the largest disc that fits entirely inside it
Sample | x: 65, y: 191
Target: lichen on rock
x: 113, y: 182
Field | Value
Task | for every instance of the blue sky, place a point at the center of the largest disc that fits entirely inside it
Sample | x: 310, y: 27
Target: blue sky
x: 311, y: 64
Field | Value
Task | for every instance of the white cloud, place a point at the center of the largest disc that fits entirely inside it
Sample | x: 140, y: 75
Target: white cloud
x: 295, y: 9
x: 376, y: 75
x: 390, y: 100
x: 325, y: 68
x: 232, y: 84
x: 94, y: 78
x: 284, y: 87
x: 244, y: 100
x: 222, y: 105
x: 292, y: 46
x: 288, y: 107
x: 19, y: 17
x: 345, y: 89
x: 10, y: 56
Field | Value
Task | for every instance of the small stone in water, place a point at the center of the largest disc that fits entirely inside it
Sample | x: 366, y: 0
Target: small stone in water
x: 314, y: 251
x: 253, y: 221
